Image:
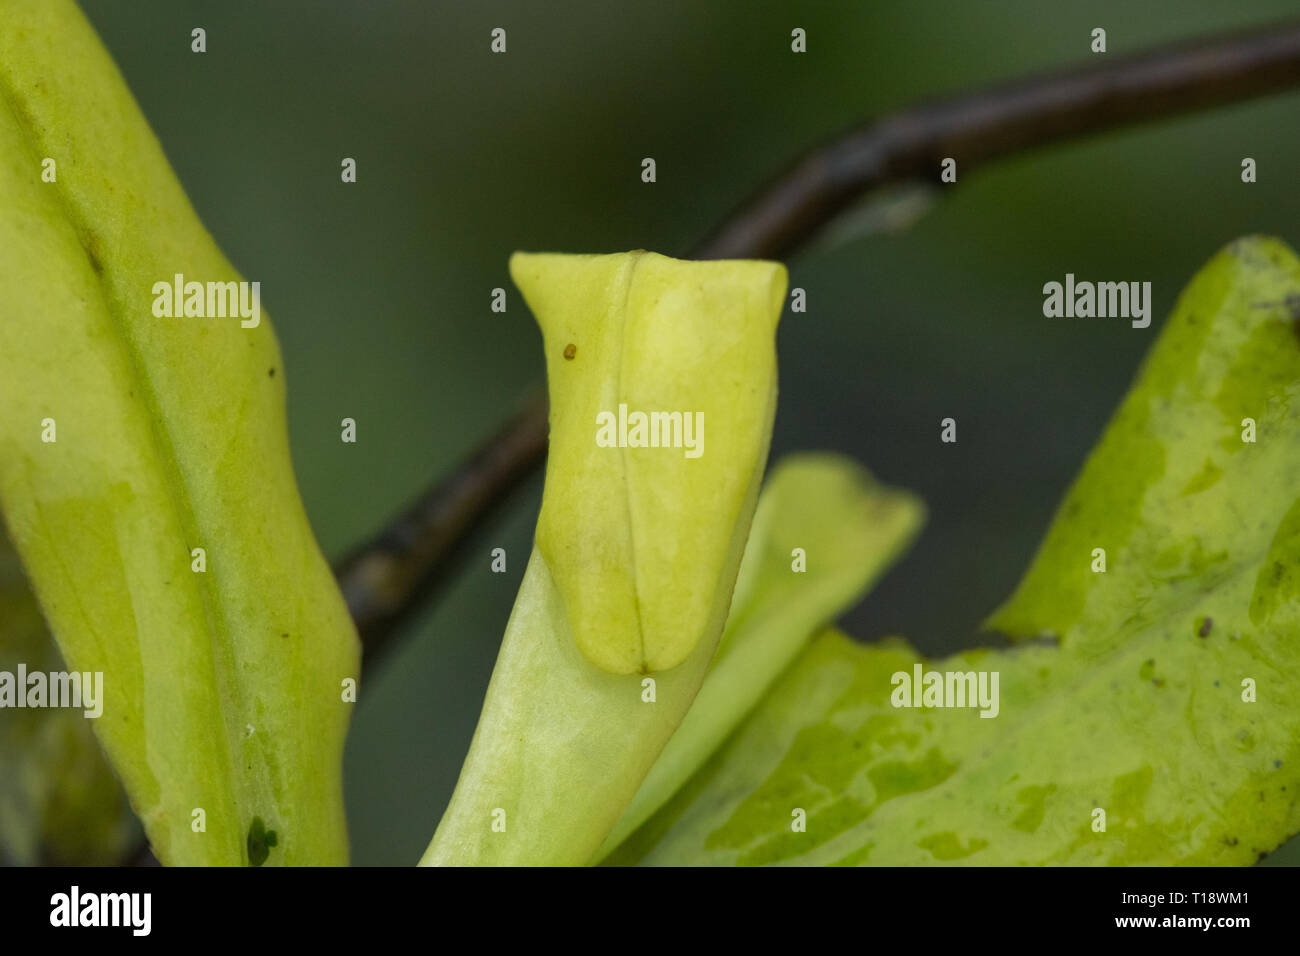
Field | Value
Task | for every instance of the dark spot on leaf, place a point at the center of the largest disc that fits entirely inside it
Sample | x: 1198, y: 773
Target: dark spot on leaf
x: 92, y: 254
x: 1205, y: 627
x: 260, y: 841
x: 1291, y: 303
x: 271, y: 372
x: 1277, y: 764
x: 1042, y: 639
x: 570, y: 351
x: 22, y: 111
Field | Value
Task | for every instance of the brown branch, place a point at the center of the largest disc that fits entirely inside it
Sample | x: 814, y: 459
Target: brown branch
x: 390, y: 575
x: 386, y: 577
x: 978, y: 127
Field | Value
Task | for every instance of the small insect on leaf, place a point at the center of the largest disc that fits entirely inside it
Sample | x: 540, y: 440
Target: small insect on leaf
x: 260, y: 842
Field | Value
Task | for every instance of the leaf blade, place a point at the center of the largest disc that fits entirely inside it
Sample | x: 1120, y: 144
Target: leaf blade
x: 1137, y: 710
x: 171, y: 437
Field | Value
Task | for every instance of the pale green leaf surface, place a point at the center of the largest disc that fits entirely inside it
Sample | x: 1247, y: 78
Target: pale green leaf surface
x: 1136, y: 709
x: 223, y: 689
x: 637, y: 549
x: 850, y: 529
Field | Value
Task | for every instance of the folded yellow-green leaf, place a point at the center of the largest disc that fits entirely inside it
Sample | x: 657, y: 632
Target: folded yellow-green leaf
x: 1161, y: 725
x: 145, y: 474
x: 637, y: 546
x: 663, y: 379
x: 824, y: 530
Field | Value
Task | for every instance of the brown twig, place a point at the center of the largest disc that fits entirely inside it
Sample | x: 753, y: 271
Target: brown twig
x: 978, y: 127
x: 389, y: 575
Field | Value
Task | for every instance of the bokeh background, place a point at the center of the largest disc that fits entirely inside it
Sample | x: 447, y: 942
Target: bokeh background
x: 380, y: 290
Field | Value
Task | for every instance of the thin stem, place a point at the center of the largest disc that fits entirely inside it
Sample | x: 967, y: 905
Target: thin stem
x: 388, y: 576
x: 978, y: 127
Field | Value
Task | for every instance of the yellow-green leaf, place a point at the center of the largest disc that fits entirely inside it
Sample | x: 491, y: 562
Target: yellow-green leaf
x: 637, y: 548
x: 673, y: 363
x: 223, y: 672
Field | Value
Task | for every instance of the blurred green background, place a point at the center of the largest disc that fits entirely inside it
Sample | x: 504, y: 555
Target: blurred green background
x: 380, y: 290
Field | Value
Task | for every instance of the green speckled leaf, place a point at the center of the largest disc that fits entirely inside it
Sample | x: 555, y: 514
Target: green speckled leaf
x: 223, y: 688
x: 1136, y: 709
